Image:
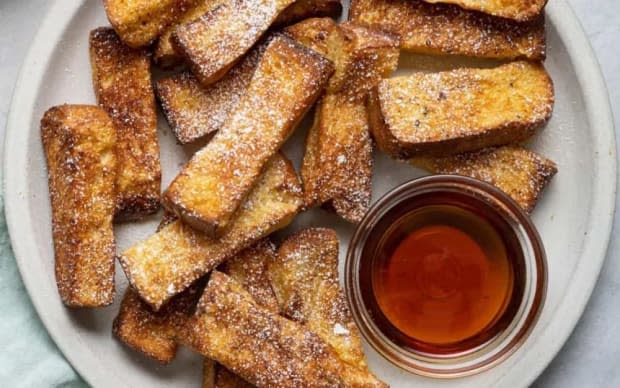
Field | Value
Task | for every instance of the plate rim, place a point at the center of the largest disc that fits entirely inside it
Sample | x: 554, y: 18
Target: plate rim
x: 571, y: 307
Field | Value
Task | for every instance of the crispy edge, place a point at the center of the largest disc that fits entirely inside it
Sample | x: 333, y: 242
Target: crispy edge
x: 167, y: 262
x: 520, y: 10
x: 122, y: 82
x: 337, y: 166
x: 450, y: 30
x: 79, y: 142
x: 520, y: 173
x: 249, y: 268
x: 193, y: 111
x: 139, y: 23
x: 261, y: 346
x: 447, y: 141
x: 305, y: 9
x: 164, y: 55
x: 304, y: 278
x: 197, y: 195
x: 212, y: 44
x: 155, y: 333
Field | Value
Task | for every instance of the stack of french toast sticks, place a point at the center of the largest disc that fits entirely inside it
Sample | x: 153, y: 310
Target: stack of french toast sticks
x: 245, y: 73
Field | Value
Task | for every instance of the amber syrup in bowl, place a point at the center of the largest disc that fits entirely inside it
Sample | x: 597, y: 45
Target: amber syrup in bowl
x: 446, y: 276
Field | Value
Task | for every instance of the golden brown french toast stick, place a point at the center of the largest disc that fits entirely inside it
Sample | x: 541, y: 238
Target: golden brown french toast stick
x: 249, y: 268
x: 213, y: 43
x: 139, y: 22
x: 170, y: 260
x: 337, y: 167
x: 155, y: 333
x: 210, y: 188
x: 262, y: 347
x: 520, y: 10
x: 166, y: 57
x: 448, y: 29
x: 304, y: 277
x: 460, y: 110
x: 194, y: 111
x: 122, y: 82
x: 79, y: 142
x: 520, y: 173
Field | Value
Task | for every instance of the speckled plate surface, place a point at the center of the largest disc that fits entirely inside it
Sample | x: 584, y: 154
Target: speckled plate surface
x: 574, y: 216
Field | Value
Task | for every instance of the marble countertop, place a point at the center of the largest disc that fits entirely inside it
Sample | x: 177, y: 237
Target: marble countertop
x: 591, y: 356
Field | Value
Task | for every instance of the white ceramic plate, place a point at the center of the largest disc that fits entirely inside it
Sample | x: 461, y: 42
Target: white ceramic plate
x: 574, y: 216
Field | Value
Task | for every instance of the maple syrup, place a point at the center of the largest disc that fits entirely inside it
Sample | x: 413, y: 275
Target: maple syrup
x: 442, y: 273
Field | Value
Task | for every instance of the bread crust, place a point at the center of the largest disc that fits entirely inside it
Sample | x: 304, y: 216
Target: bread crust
x: 461, y: 110
x: 520, y: 173
x: 140, y: 22
x: 122, y: 83
x: 519, y: 10
x: 450, y: 30
x: 194, y: 111
x: 79, y: 143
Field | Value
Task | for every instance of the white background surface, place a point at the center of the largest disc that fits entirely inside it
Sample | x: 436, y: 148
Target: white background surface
x: 591, y: 357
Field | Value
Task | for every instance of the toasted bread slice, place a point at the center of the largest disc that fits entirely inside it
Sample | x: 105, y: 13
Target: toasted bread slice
x: 286, y: 82
x: 166, y: 57
x: 79, y: 144
x: 448, y: 29
x: 122, y: 82
x: 337, y: 167
x: 193, y: 111
x: 169, y: 261
x: 519, y: 10
x: 249, y: 268
x: 460, y: 110
x: 155, y: 333
x: 520, y: 173
x: 262, y: 347
x: 213, y: 43
x: 304, y: 277
x: 140, y: 22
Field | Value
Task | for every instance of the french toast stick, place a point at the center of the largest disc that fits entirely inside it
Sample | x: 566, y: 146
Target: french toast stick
x: 263, y: 347
x: 304, y: 277
x: 170, y: 260
x: 79, y: 142
x: 337, y: 166
x: 460, y: 110
x: 519, y: 10
x: 122, y: 83
x: 249, y: 268
x: 166, y: 57
x: 155, y: 333
x: 448, y: 29
x: 213, y: 43
x: 212, y: 185
x: 140, y: 22
x: 520, y: 173
x: 194, y: 111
